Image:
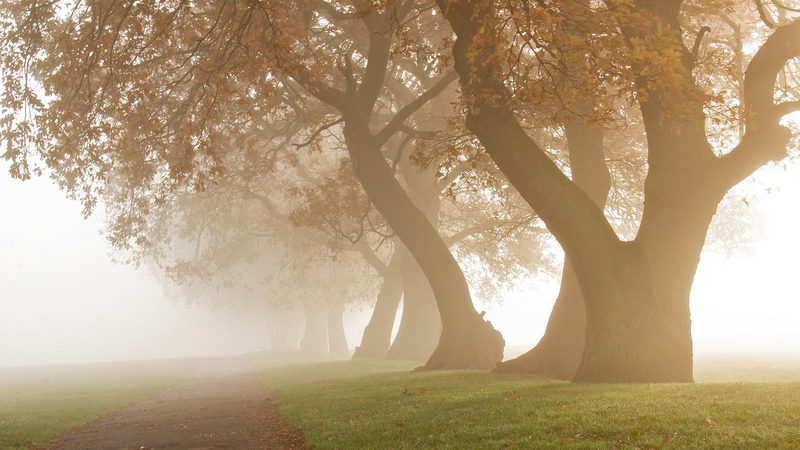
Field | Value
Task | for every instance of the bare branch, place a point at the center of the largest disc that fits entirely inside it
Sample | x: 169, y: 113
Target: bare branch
x: 369, y: 255
x: 397, y: 122
x: 699, y: 40
x: 451, y: 176
x: 264, y: 200
x: 785, y: 108
x: 417, y: 134
x: 320, y: 90
x: 345, y: 66
x: 766, y: 17
x: 399, y: 153
x: 317, y: 133
x: 781, y: 5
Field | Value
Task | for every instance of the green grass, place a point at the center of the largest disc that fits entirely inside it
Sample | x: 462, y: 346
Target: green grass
x: 39, y: 403
x: 371, y: 404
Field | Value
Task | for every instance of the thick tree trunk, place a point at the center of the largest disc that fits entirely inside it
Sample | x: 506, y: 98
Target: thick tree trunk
x: 378, y: 334
x: 315, y: 336
x: 468, y: 341
x: 336, y: 337
x: 420, y: 325
x: 638, y: 328
x: 638, y: 320
x: 559, y: 352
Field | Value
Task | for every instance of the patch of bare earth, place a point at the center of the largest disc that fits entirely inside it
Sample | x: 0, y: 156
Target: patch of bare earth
x: 220, y: 406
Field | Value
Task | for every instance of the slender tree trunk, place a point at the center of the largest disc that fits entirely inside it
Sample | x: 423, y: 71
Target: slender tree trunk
x: 282, y: 333
x: 559, y: 352
x: 336, y: 337
x: 420, y: 325
x: 315, y: 336
x: 378, y: 334
x: 467, y: 340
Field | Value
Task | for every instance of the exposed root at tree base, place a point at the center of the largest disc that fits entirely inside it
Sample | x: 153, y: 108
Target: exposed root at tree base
x: 480, y: 347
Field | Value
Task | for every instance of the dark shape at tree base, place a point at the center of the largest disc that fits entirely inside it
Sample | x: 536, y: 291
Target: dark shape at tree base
x: 543, y: 360
x: 475, y: 345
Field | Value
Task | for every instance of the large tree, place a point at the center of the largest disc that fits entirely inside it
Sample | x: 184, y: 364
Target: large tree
x: 636, y: 292
x: 149, y: 91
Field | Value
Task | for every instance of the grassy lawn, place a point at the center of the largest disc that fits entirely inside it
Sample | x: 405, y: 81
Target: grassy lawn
x: 380, y: 404
x: 38, y: 403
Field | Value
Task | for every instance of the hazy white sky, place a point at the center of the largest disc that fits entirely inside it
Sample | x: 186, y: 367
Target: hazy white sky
x: 62, y: 300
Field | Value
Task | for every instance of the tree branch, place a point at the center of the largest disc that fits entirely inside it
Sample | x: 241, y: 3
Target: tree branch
x: 369, y: 255
x: 317, y: 133
x: 766, y: 17
x: 264, y: 200
x: 377, y: 62
x: 765, y: 139
x: 320, y: 90
x: 397, y: 122
x: 451, y: 176
x: 699, y: 40
x: 781, y: 5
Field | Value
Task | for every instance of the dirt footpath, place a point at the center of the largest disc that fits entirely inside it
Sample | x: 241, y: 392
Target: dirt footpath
x: 219, y: 406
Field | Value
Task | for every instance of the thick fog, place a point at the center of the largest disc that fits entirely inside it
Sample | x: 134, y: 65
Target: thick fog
x: 62, y: 300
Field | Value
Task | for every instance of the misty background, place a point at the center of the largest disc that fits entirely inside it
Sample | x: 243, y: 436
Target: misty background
x: 62, y: 300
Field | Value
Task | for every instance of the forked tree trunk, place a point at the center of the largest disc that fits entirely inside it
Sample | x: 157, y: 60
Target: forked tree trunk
x: 378, y: 333
x: 336, y: 338
x: 420, y: 325
x: 559, y: 352
x: 315, y: 336
x: 638, y: 325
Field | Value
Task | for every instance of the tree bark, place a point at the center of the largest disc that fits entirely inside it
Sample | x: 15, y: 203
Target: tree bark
x: 559, y: 352
x: 378, y: 333
x: 420, y: 325
x: 336, y: 338
x: 468, y: 341
x: 315, y: 336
